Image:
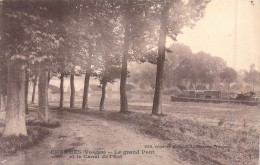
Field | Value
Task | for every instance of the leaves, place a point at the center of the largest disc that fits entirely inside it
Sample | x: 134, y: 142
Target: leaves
x: 252, y: 76
x: 68, y: 35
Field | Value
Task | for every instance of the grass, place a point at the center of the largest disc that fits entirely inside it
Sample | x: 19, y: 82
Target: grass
x: 11, y: 144
x: 47, y: 124
x: 205, y: 124
x: 228, y: 145
x: 37, y: 130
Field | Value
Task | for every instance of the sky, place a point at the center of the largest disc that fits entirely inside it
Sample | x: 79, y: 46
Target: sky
x: 229, y: 29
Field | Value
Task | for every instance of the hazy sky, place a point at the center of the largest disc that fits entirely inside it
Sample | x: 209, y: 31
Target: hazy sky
x: 217, y: 34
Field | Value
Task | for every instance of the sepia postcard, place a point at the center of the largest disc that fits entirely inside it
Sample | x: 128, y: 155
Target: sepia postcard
x: 129, y: 82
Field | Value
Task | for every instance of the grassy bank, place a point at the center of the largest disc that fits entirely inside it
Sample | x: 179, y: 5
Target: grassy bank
x: 11, y: 144
x: 193, y: 141
x: 36, y: 130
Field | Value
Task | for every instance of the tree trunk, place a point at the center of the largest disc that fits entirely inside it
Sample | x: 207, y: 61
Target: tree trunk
x: 72, y: 91
x: 43, y: 113
x: 157, y: 102
x: 85, y: 94
x: 34, y: 87
x: 87, y: 78
x: 15, y: 111
x: 3, y: 102
x: 123, y: 95
x: 49, y: 76
x: 26, y: 91
x: 61, y: 89
x: 103, y: 96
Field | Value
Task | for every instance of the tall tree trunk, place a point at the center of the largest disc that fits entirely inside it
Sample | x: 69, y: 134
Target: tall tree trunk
x: 72, y: 91
x: 87, y: 78
x: 103, y: 96
x: 49, y: 76
x: 123, y: 95
x: 3, y: 102
x: 15, y: 111
x: 43, y: 113
x: 157, y: 101
x: 86, y: 89
x: 35, y: 80
x: 26, y: 91
x: 61, y: 89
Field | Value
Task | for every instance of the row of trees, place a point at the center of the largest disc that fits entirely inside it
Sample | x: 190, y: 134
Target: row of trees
x: 188, y: 70
x: 42, y: 39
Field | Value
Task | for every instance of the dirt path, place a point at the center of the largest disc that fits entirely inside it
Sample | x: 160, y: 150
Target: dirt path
x: 82, y: 132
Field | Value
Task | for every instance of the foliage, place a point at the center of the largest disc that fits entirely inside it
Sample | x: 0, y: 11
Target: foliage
x: 228, y: 75
x: 252, y: 77
x: 181, y: 66
x: 24, y: 37
x: 143, y: 75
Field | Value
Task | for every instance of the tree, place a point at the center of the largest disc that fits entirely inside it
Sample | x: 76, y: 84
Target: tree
x: 61, y: 89
x: 35, y: 81
x: 74, y: 49
x: 106, y: 65
x: 27, y: 79
x: 206, y: 68
x: 157, y: 102
x: 15, y: 114
x: 178, y: 52
x: 87, y: 78
x: 143, y: 75
x: 175, y: 54
x: 94, y: 13
x: 3, y: 81
x: 72, y: 91
x: 228, y: 75
x: 27, y: 41
x: 109, y: 70
x: 108, y: 75
x: 252, y: 77
x: 215, y: 65
x: 173, y: 15
x: 62, y: 69
x: 123, y: 97
x: 15, y: 111
x: 184, y: 71
x: 136, y: 30
x: 85, y: 18
x: 43, y: 87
